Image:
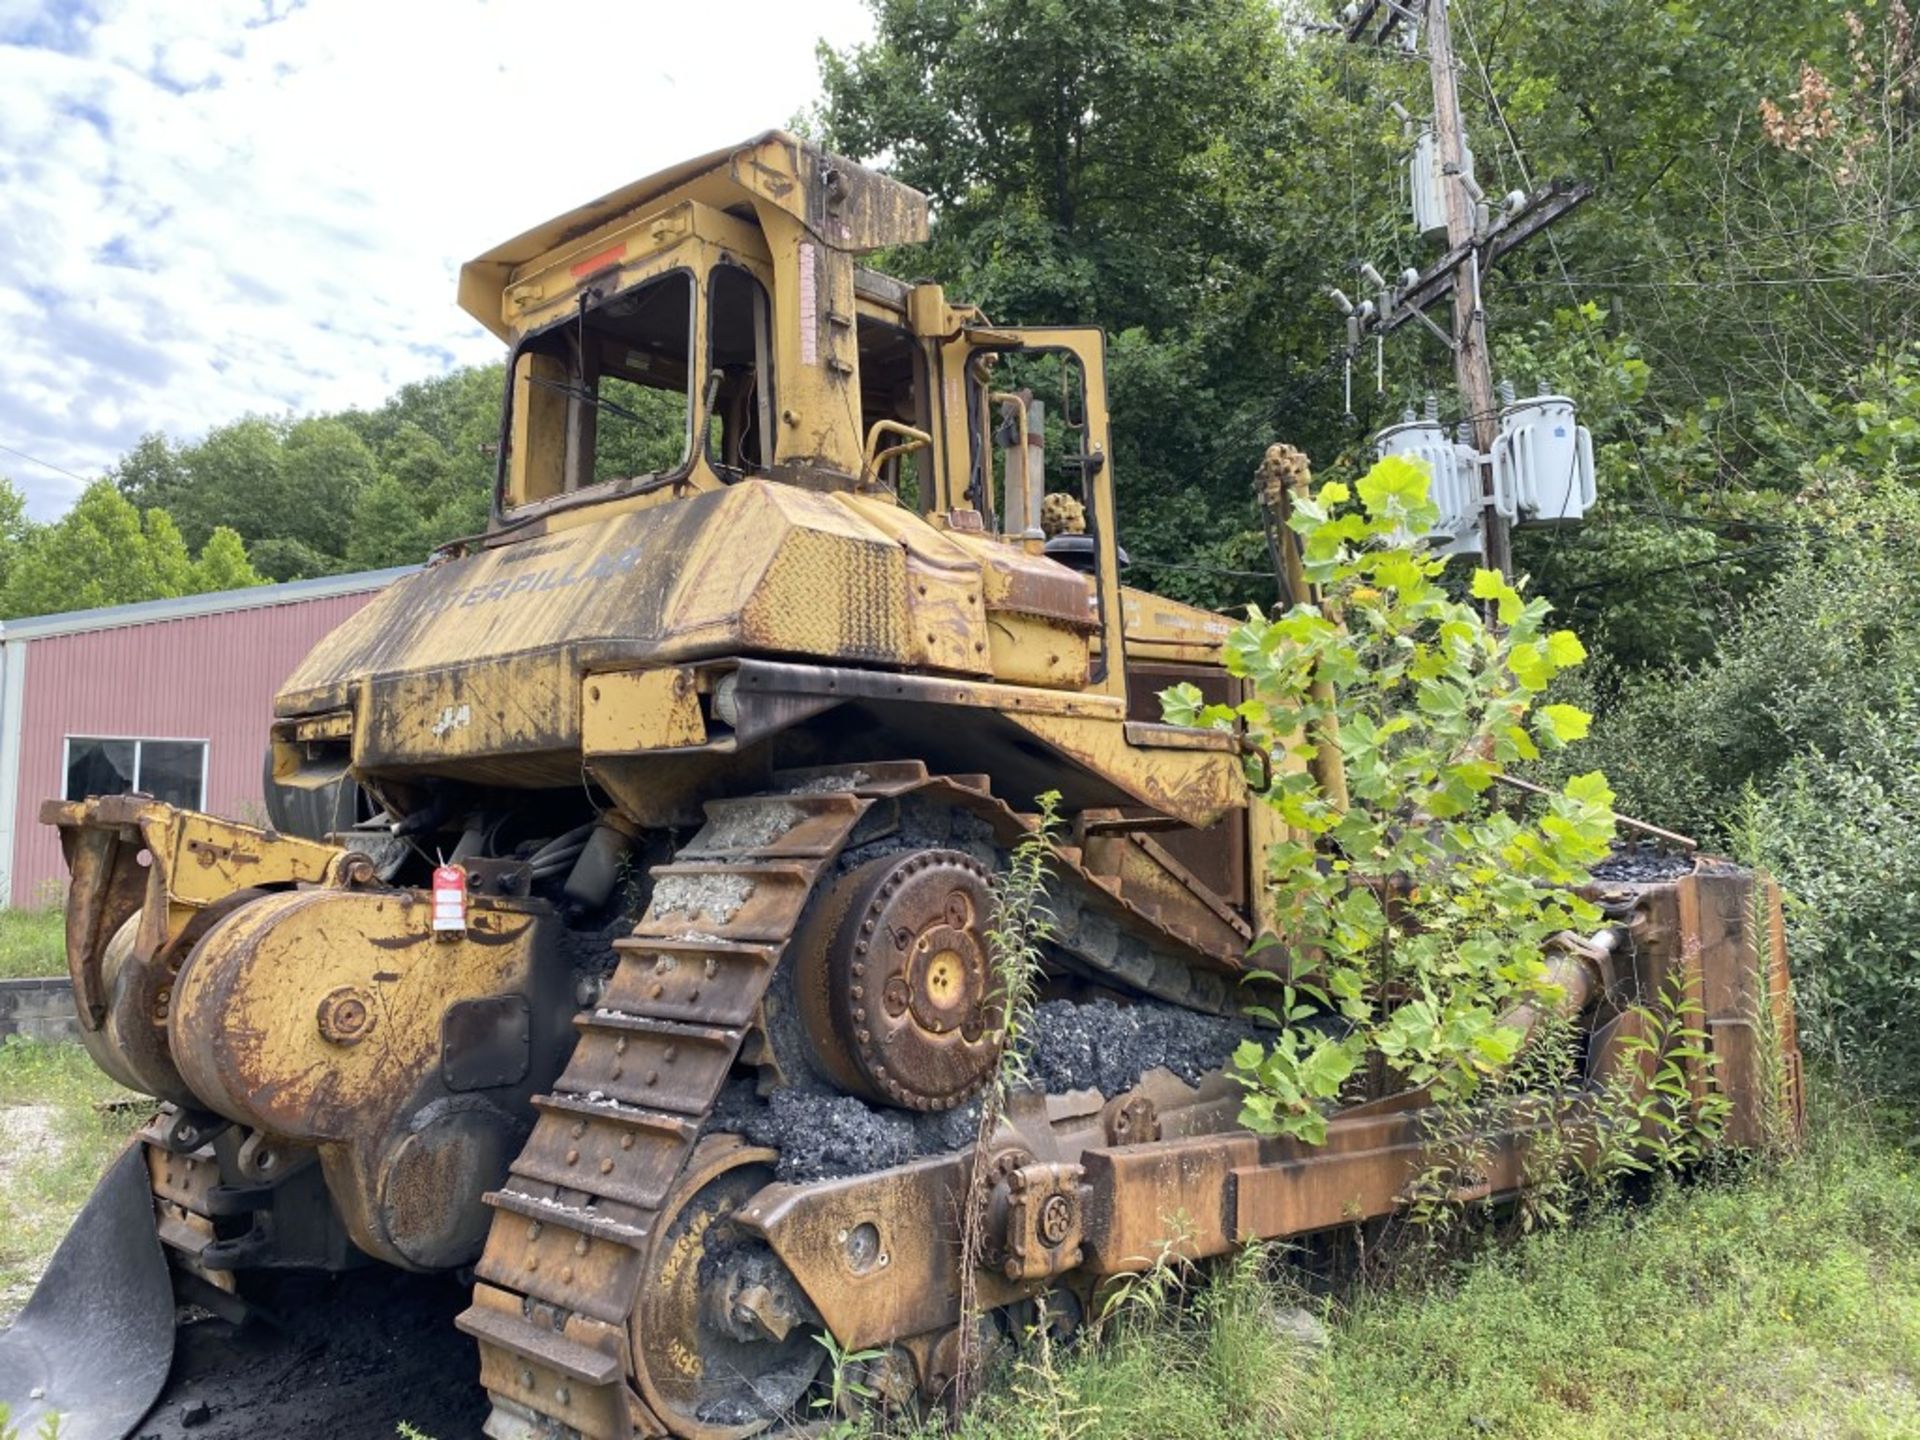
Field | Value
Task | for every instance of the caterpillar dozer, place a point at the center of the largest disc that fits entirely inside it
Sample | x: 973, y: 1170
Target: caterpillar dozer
x: 620, y: 939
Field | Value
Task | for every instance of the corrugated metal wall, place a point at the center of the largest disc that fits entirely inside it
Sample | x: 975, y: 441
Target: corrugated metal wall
x: 204, y: 677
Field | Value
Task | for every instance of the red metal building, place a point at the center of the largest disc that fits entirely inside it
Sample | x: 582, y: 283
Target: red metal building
x: 172, y: 697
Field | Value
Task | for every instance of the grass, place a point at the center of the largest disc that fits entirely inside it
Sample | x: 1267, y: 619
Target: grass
x: 54, y: 1142
x: 32, y: 942
x: 1780, y: 1302
x: 1180, y: 1358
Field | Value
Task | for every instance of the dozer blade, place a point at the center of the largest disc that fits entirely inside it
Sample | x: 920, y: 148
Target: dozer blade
x: 96, y: 1339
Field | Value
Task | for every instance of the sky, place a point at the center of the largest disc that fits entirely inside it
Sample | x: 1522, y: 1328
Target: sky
x: 210, y: 208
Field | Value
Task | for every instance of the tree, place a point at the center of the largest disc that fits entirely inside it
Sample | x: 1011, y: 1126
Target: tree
x: 104, y: 551
x: 324, y: 467
x: 286, y: 487
x: 166, y: 568
x: 1752, y: 246
x: 150, y: 474
x: 223, y: 565
x: 1152, y: 166
x: 1191, y: 178
x: 281, y: 559
x: 15, y: 527
x: 421, y: 498
x: 96, y: 554
x: 389, y: 526
x: 1410, y: 902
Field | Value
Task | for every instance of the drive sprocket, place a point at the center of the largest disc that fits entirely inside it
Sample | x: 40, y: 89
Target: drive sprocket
x: 896, y: 986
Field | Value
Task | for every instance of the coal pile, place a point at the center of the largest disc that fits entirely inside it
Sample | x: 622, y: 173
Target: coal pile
x: 1101, y: 1046
x: 1643, y: 865
x: 1108, y: 1047
x: 826, y: 1137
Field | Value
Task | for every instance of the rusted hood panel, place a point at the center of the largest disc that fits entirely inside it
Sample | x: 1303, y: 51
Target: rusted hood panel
x: 482, y: 654
x: 604, y: 585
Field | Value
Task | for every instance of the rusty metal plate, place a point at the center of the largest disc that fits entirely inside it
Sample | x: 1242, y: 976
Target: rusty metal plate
x: 701, y: 981
x: 1148, y: 1201
x: 485, y: 1043
x: 554, y: 1262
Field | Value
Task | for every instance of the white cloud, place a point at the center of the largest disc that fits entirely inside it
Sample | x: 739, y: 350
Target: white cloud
x: 261, y: 205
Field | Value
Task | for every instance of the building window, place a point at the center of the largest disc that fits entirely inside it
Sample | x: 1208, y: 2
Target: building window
x: 171, y: 770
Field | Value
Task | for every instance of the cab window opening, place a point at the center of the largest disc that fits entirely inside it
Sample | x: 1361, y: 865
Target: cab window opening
x: 893, y: 387
x: 1001, y: 384
x: 739, y: 381
x: 1033, y: 399
x: 604, y: 397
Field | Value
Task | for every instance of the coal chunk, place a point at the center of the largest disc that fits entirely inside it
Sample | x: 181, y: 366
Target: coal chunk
x: 819, y: 1136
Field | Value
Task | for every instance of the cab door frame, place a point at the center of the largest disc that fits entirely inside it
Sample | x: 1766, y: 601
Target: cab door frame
x: 1086, y: 345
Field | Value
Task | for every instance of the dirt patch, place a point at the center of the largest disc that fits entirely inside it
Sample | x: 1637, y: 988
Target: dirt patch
x: 344, y: 1358
x: 28, y: 1131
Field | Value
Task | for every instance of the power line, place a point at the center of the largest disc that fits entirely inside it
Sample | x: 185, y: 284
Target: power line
x: 45, y: 464
x: 1725, y: 557
x: 1730, y: 283
x: 1628, y: 267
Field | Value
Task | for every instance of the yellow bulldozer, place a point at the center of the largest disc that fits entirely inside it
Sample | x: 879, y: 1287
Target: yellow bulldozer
x: 621, y: 937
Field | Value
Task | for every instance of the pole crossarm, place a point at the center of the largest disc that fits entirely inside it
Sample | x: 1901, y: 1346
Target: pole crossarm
x: 1389, y: 13
x: 1436, y: 282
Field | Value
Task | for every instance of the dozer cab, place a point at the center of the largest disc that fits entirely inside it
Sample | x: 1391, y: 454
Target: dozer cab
x: 622, y: 930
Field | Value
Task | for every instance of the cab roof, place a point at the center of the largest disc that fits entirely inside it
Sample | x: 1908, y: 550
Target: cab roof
x: 775, y: 168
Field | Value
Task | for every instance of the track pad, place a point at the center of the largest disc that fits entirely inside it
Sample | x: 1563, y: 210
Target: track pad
x: 94, y: 1343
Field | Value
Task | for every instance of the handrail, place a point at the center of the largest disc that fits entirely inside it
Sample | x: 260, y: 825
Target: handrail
x: 875, y: 457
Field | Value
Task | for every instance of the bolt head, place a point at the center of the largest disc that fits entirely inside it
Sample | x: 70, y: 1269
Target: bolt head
x: 345, y: 1016
x: 1056, y: 1219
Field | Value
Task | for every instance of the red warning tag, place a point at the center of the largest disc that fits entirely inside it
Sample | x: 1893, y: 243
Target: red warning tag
x: 449, y: 900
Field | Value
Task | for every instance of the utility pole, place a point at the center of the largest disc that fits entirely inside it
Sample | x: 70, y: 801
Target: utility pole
x: 1473, y: 247
x: 1472, y: 363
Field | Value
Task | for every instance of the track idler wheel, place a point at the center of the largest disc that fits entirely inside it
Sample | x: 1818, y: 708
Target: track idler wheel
x: 895, y: 986
x: 723, y: 1338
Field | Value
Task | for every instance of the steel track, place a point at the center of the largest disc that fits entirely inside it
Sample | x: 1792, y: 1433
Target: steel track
x: 619, y: 1141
